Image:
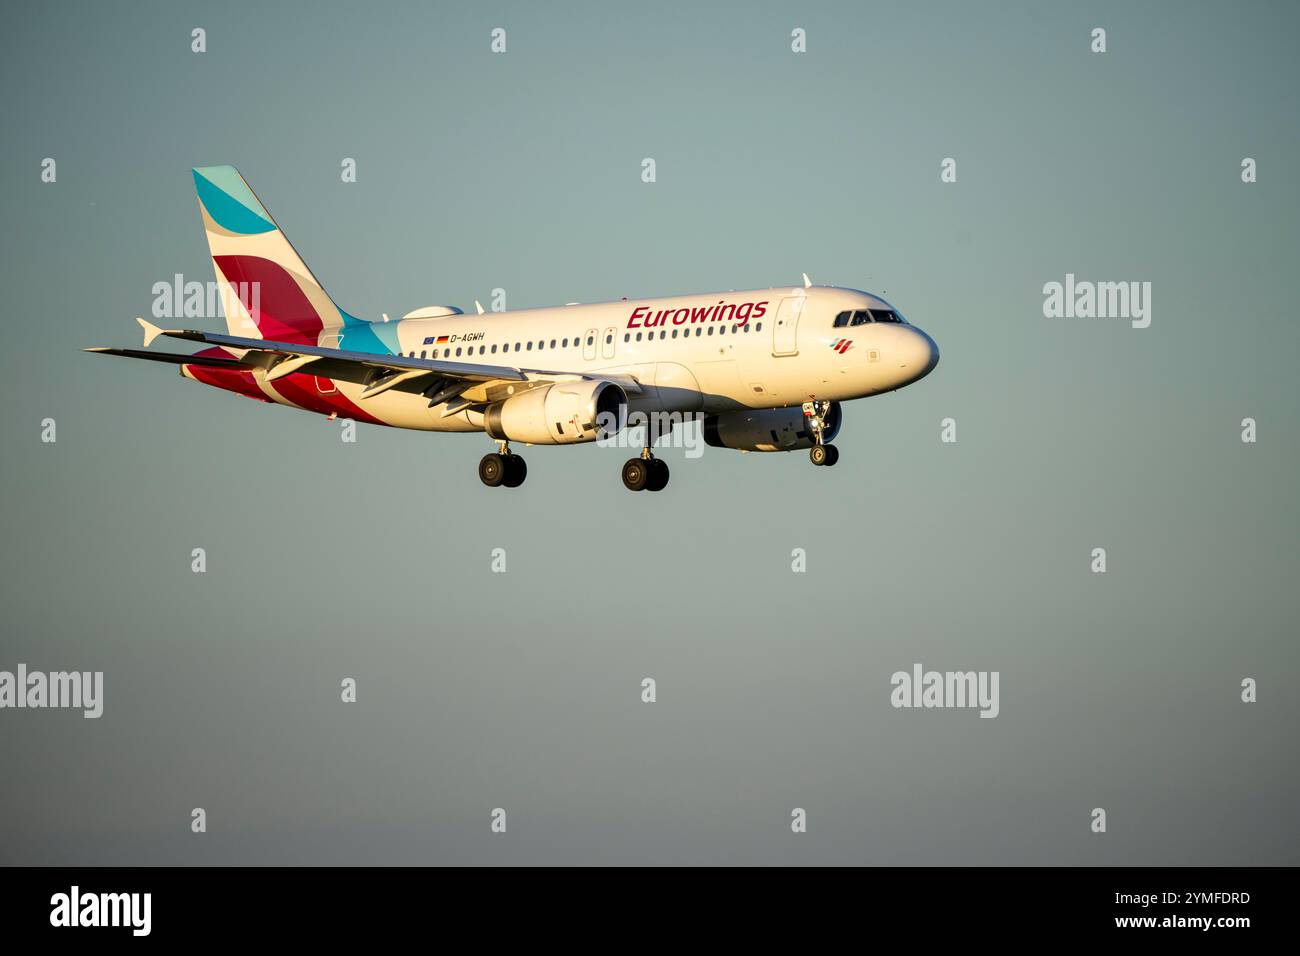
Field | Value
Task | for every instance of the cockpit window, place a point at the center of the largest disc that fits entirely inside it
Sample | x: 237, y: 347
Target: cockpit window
x: 865, y: 316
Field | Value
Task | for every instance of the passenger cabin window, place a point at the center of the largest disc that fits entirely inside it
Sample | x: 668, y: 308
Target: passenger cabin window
x: 885, y: 315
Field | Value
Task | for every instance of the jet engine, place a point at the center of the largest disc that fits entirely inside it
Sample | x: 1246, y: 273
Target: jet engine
x: 768, y: 429
x: 564, y: 413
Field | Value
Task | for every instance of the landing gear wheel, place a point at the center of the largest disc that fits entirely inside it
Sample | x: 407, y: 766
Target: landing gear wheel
x: 636, y: 473
x: 516, y: 471
x: 819, y: 454
x: 832, y: 455
x: 658, y: 475
x: 492, y: 470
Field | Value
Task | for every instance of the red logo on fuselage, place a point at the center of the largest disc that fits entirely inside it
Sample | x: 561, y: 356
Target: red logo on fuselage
x: 643, y: 318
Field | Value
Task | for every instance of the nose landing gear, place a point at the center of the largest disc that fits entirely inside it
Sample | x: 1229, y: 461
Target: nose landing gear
x: 821, y: 453
x: 824, y: 455
x: 502, y: 468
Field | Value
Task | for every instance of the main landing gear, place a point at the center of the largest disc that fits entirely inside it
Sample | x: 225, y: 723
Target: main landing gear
x: 646, y: 473
x: 502, y: 468
x: 821, y: 453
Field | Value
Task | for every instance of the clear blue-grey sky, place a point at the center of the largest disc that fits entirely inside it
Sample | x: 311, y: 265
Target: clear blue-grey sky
x: 522, y: 690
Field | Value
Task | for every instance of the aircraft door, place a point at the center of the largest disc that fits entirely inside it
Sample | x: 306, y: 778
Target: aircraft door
x: 589, y: 345
x: 608, y: 351
x: 785, y: 328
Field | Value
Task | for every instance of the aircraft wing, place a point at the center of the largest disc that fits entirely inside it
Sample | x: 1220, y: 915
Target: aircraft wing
x: 207, y: 361
x: 347, y: 366
x: 461, y: 384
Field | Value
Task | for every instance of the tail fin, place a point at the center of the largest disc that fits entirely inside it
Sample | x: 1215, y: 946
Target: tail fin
x: 267, y: 289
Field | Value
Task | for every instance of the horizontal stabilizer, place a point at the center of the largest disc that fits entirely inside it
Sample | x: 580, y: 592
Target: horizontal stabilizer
x: 151, y: 331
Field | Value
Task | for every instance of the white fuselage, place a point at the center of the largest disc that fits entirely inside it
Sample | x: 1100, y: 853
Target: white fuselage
x: 686, y: 353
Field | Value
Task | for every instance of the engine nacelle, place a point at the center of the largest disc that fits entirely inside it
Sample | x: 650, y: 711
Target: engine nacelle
x: 768, y: 429
x: 561, y: 414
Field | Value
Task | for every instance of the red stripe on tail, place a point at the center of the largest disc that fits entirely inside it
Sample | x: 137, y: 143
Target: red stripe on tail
x: 284, y: 314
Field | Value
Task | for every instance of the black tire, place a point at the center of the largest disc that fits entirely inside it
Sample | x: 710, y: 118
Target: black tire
x: 818, y: 454
x: 658, y: 475
x: 492, y: 470
x: 636, y: 474
x: 832, y: 455
x: 516, y: 471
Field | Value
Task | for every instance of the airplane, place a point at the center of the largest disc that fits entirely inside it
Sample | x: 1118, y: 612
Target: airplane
x: 765, y: 369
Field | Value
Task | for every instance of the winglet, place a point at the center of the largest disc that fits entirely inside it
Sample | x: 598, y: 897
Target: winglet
x: 807, y: 283
x: 478, y: 305
x: 151, y: 331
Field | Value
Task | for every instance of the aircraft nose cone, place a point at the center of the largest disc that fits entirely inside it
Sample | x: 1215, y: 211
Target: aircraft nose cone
x: 932, y: 360
x: 921, y: 354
